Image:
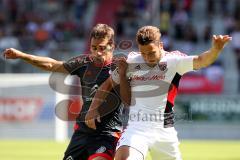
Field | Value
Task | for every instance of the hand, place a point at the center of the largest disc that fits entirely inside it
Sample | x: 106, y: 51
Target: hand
x: 12, y: 53
x: 219, y: 41
x: 122, y: 66
x: 90, y: 118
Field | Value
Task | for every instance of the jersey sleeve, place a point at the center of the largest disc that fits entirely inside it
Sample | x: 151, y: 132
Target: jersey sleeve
x: 74, y: 64
x: 184, y: 64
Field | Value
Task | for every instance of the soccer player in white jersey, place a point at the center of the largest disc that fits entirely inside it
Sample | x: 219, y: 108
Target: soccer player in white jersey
x: 154, y: 76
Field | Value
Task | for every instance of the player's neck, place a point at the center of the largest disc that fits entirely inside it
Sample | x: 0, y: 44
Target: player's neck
x: 162, y: 54
x: 151, y: 65
x: 103, y: 61
x: 108, y: 59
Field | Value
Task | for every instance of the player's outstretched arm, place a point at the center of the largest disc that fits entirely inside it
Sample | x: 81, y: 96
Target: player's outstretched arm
x: 44, y: 63
x: 207, y: 58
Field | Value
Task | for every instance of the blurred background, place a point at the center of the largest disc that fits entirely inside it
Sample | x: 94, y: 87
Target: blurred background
x: 208, y: 105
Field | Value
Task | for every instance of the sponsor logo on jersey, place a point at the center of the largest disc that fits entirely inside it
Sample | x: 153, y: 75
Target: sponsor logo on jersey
x: 145, y: 78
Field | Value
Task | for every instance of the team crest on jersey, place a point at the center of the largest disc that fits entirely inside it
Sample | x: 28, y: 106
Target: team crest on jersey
x: 138, y: 67
x: 102, y: 149
x: 162, y: 66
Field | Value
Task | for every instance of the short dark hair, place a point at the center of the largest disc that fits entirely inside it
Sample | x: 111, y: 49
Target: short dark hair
x: 147, y: 35
x: 102, y: 31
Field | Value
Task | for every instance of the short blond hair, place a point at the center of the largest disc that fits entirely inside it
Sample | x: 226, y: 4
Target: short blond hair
x: 148, y: 34
x: 102, y: 31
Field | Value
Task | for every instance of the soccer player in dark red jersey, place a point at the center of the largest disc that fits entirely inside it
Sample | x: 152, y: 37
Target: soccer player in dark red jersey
x: 93, y: 69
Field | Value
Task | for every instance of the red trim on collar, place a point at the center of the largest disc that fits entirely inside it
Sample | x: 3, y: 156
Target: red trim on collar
x: 104, y: 155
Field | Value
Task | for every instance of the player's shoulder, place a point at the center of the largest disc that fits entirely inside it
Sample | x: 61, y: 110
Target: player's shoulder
x: 173, y: 57
x: 178, y: 53
x: 175, y: 53
x: 84, y: 58
x: 135, y: 57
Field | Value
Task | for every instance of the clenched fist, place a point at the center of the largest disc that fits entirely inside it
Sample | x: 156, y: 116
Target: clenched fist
x: 12, y: 53
x: 122, y: 66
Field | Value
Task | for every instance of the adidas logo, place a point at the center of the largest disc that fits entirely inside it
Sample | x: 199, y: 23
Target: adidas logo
x: 138, y: 67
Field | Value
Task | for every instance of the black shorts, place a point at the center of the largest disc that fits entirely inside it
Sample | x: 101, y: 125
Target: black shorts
x: 87, y: 147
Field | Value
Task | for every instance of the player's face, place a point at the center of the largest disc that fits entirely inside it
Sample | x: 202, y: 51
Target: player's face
x: 151, y: 53
x: 100, y: 48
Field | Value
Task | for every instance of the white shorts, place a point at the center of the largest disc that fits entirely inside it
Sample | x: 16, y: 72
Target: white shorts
x: 161, y: 142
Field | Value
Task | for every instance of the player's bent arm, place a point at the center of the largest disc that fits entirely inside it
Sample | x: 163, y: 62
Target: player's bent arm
x: 125, y: 90
x: 207, y: 58
x: 102, y: 93
x: 44, y: 63
x: 98, y: 99
x: 105, y: 89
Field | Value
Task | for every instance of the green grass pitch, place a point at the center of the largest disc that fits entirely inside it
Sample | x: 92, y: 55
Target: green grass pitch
x: 50, y: 150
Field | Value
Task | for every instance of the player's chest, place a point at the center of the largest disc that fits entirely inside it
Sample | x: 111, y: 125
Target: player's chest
x: 95, y: 75
x: 144, y: 75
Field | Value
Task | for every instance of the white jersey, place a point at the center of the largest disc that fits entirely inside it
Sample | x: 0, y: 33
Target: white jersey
x: 154, y: 88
